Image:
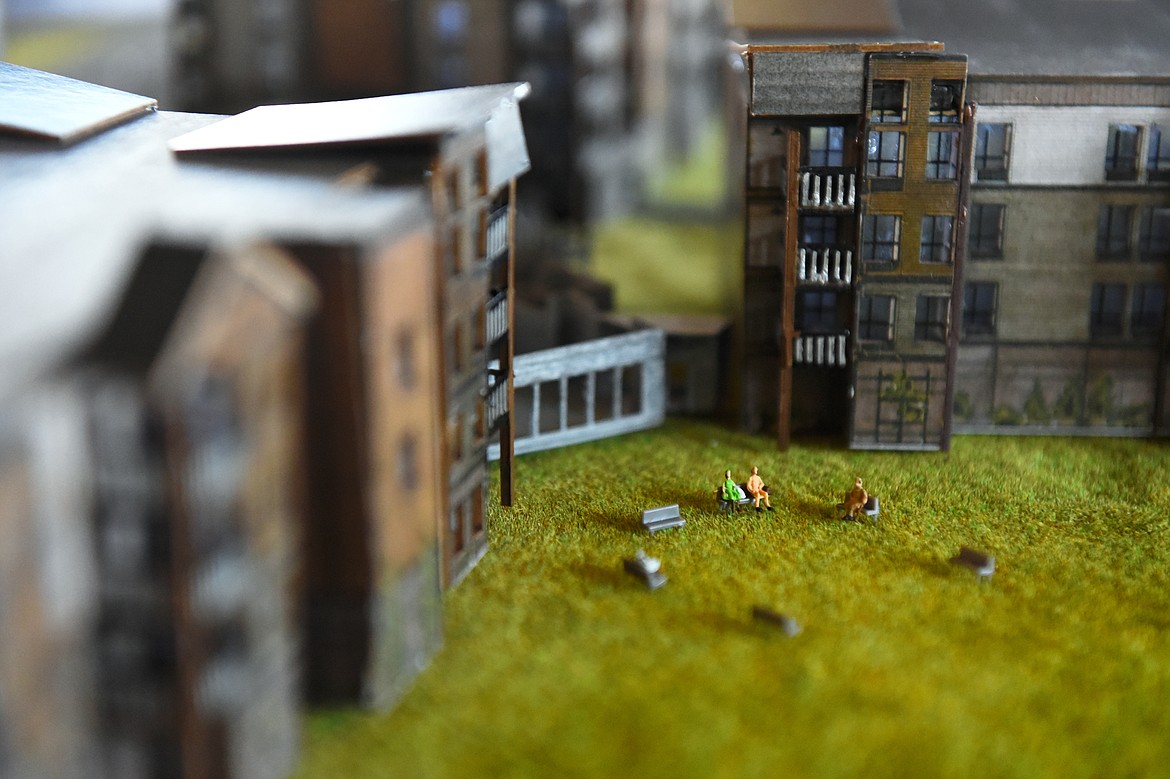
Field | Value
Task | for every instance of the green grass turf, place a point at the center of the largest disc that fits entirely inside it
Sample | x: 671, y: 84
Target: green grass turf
x: 559, y: 664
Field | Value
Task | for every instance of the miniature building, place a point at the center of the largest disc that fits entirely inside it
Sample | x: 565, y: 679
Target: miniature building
x: 407, y: 233
x: 168, y: 645
x: 854, y: 163
x: 1063, y: 325
x: 1064, y: 292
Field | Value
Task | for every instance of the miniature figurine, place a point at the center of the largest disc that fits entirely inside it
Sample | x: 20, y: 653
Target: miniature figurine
x: 730, y: 491
x: 855, y: 500
x: 756, y: 488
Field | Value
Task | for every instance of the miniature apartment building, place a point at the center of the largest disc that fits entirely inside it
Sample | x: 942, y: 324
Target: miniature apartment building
x: 1063, y: 326
x: 854, y: 202
x: 157, y: 470
x: 1063, y: 301
x: 406, y: 236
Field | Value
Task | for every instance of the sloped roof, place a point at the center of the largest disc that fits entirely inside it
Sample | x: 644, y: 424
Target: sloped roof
x: 425, y: 117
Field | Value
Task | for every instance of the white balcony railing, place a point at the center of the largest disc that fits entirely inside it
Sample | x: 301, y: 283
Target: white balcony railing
x: 497, y: 317
x: 820, y: 349
x: 497, y: 234
x: 824, y: 266
x: 828, y: 188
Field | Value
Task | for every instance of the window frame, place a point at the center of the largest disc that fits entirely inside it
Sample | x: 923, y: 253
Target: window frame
x: 1107, y: 321
x: 877, y: 166
x: 1117, y: 152
x: 832, y: 156
x: 871, y: 241
x: 1154, y: 246
x: 932, y: 318
x: 886, y: 113
x: 936, y: 251
x: 1148, y: 321
x: 938, y: 166
x: 868, y: 324
x: 978, y: 237
x: 985, y: 161
x: 1114, y: 232
x: 980, y: 308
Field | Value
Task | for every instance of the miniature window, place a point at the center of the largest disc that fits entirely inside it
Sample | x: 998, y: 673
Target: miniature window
x: 946, y: 100
x: 875, y: 318
x: 455, y: 431
x: 404, y: 360
x: 932, y: 318
x: 453, y: 201
x: 992, y: 144
x: 1105, y: 311
x: 818, y: 230
x: 817, y: 312
x: 979, y: 304
x: 1149, y: 306
x: 1121, y: 153
x: 985, y: 238
x: 881, y: 236
x: 458, y: 528
x: 826, y: 147
x: 1158, y: 158
x: 884, y: 156
x: 942, y: 155
x: 1113, y: 229
x: 888, y: 103
x: 1154, y: 234
x: 936, y: 239
x: 407, y: 464
x: 457, y: 344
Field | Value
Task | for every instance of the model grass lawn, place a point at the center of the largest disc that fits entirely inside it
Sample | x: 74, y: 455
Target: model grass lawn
x: 557, y: 663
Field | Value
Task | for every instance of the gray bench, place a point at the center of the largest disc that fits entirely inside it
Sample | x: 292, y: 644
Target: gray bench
x: 981, y: 563
x: 662, y: 517
x: 645, y: 569
x: 726, y: 506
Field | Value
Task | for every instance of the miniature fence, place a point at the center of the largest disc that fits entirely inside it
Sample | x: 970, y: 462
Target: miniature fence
x: 587, y: 391
x: 827, y: 188
x: 827, y: 266
x: 820, y: 349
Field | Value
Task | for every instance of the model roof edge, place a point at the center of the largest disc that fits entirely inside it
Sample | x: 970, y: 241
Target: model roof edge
x: 42, y: 105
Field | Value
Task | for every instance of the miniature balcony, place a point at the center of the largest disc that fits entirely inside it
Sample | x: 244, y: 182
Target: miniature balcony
x: 497, y: 317
x: 496, y: 402
x: 827, y: 265
x: 497, y: 234
x: 831, y: 189
x: 820, y: 349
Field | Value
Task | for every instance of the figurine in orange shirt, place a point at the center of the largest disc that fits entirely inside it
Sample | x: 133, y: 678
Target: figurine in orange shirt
x: 755, y: 488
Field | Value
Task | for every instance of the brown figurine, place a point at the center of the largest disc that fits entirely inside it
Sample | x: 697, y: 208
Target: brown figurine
x: 855, y: 500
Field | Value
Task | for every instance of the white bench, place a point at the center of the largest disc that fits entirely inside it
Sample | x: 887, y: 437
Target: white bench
x: 662, y: 517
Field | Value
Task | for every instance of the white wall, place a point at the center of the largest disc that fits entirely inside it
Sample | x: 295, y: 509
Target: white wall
x: 31, y: 10
x: 1065, y: 146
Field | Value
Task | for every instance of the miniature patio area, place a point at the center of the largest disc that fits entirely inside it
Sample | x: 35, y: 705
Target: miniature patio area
x: 558, y: 663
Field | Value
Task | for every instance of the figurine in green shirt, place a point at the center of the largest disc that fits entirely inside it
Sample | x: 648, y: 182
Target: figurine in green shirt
x: 730, y: 490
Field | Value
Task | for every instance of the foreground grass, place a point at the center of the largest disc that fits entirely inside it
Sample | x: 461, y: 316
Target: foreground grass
x: 559, y: 664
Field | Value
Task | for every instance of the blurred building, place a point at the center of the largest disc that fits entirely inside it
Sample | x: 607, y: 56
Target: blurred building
x: 332, y: 496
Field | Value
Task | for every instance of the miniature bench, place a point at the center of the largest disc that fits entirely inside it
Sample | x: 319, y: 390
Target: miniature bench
x: 727, y: 505
x: 662, y: 517
x: 870, y: 509
x: 981, y: 563
x: 786, y: 623
x: 646, y: 569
